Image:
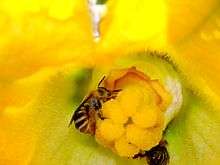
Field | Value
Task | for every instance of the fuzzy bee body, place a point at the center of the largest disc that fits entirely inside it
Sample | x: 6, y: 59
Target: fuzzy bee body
x: 157, y: 155
x: 86, y: 114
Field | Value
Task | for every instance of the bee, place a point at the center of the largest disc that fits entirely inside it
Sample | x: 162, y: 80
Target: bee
x: 86, y: 114
x: 157, y: 155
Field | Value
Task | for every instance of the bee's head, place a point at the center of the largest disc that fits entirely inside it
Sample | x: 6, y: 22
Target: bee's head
x: 106, y: 94
x: 103, y: 92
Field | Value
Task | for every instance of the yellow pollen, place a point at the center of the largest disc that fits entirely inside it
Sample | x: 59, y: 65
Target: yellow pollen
x: 130, y: 101
x: 124, y: 148
x: 146, y: 118
x: 144, y: 139
x: 134, y: 120
x: 112, y: 110
x: 110, y: 131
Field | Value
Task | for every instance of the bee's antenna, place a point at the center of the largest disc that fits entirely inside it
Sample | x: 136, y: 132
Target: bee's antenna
x: 117, y: 90
x: 103, y: 78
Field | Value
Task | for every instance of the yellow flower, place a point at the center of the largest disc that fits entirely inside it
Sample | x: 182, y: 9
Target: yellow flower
x: 47, y: 49
x: 136, y: 114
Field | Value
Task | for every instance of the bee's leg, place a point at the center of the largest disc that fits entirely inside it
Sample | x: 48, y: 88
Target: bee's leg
x: 117, y: 90
x: 163, y: 143
x: 100, y: 115
x: 114, y: 94
x: 141, y: 154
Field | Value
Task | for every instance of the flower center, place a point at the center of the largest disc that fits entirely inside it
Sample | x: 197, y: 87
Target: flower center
x: 134, y: 121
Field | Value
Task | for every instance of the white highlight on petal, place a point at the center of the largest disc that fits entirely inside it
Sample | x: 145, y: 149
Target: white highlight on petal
x: 97, y: 12
x: 175, y: 88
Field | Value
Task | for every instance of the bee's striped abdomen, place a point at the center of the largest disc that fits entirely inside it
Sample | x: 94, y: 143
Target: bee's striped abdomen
x: 86, y: 114
x: 81, y: 118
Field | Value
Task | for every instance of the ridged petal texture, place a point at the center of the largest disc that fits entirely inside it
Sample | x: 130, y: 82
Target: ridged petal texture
x: 194, y: 37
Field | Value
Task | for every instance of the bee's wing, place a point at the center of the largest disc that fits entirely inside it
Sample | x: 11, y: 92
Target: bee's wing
x: 84, y: 101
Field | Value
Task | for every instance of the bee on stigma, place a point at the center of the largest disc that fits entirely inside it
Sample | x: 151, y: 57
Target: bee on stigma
x: 86, y: 114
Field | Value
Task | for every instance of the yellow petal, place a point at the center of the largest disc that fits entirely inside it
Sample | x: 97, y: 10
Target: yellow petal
x: 196, y: 134
x: 27, y: 114
x: 186, y: 17
x: 194, y: 36
x: 133, y: 24
x: 36, y: 34
x: 37, y: 132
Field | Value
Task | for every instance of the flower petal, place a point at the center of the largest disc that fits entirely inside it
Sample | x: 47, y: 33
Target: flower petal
x: 133, y: 24
x: 37, y: 132
x: 36, y: 34
x: 194, y: 137
x: 194, y: 36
